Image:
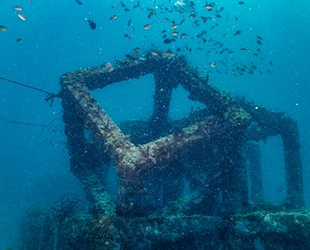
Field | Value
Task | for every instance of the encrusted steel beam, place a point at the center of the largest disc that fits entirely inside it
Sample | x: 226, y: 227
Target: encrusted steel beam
x: 233, y: 175
x: 117, y: 71
x: 97, y: 120
x: 293, y: 166
x: 81, y: 165
x: 217, y: 102
x: 254, y: 230
x: 162, y: 98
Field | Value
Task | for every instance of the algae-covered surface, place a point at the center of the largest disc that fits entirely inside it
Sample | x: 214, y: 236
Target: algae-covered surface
x: 78, y: 230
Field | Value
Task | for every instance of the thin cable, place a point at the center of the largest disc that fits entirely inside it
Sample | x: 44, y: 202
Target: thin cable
x: 49, y: 98
x: 28, y: 124
x: 26, y: 86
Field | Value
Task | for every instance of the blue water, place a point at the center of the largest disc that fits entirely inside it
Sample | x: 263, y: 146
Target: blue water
x: 57, y: 39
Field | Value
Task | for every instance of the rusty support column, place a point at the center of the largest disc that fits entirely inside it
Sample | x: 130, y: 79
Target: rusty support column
x: 158, y: 124
x: 233, y: 178
x: 293, y: 166
x: 162, y: 98
x: 81, y: 166
x: 253, y: 157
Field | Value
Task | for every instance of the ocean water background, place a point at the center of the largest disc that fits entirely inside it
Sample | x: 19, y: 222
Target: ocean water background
x: 57, y: 39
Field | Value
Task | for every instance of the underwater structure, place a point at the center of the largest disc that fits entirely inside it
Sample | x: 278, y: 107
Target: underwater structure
x: 214, y: 150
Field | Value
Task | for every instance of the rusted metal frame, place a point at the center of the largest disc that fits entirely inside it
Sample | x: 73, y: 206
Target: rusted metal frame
x: 217, y: 102
x: 243, y: 113
x: 167, y: 149
x: 276, y: 123
x: 158, y: 155
x: 117, y: 71
x: 233, y: 116
x: 81, y: 166
x: 97, y: 120
x: 132, y: 162
x: 269, y: 122
x: 138, y: 130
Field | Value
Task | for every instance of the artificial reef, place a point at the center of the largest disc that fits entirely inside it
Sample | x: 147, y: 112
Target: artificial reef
x: 213, y: 150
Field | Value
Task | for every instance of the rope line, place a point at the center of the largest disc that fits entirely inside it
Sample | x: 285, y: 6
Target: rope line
x: 28, y: 124
x: 49, y: 98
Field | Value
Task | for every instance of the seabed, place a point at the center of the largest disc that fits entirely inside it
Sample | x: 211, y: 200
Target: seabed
x: 214, y: 149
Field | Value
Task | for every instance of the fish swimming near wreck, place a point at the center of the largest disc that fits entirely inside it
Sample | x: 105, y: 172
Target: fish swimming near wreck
x: 92, y: 24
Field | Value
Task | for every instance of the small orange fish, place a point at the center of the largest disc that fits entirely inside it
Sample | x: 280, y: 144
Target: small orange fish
x: 147, y: 26
x: 18, y: 8
x: 154, y: 53
x: 21, y: 16
x: 168, y: 53
x: 208, y: 7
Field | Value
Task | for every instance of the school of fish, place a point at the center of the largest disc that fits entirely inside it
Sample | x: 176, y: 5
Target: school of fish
x: 172, y: 15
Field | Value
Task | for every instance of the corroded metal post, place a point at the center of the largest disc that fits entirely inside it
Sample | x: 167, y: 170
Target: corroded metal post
x: 233, y: 173
x: 253, y: 157
x: 293, y: 165
x: 162, y: 98
x: 81, y: 165
x: 165, y: 184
